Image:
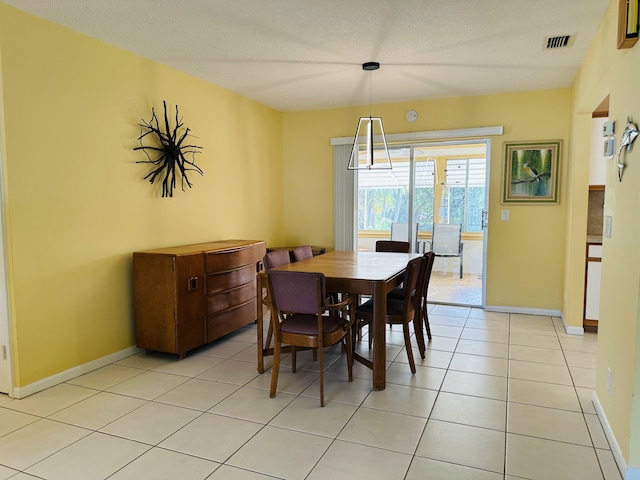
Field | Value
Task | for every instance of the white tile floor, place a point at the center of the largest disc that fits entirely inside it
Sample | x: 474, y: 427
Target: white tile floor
x: 499, y: 396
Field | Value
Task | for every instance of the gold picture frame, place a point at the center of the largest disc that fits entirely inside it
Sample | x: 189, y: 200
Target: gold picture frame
x: 628, y: 23
x: 531, y: 172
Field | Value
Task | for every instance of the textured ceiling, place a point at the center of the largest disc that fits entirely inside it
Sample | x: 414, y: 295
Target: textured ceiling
x: 303, y: 54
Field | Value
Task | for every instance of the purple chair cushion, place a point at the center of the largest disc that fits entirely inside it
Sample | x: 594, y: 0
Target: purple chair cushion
x: 276, y: 258
x: 298, y: 292
x: 302, y: 253
x: 308, y: 324
x: 394, y: 306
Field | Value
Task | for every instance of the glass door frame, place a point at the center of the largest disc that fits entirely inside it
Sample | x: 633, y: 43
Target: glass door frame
x: 438, y: 188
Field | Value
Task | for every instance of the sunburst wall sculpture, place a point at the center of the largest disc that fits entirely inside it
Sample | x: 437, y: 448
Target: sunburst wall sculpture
x: 167, y: 152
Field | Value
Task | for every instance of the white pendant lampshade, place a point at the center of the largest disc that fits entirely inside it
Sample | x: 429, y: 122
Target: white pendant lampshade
x: 364, y: 153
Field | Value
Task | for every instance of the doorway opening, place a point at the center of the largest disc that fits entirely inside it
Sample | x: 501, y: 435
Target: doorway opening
x: 431, y: 184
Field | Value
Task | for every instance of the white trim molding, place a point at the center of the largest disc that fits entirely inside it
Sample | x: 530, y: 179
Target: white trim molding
x: 571, y: 330
x: 526, y: 311
x: 428, y: 135
x: 58, y: 378
x: 628, y: 473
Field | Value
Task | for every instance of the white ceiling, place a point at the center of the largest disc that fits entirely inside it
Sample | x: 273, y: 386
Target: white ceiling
x: 308, y: 54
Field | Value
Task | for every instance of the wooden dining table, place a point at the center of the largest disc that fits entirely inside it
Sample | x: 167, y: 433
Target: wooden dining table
x: 355, y: 273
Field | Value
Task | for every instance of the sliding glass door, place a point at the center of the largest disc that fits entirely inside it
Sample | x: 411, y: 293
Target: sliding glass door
x: 430, y: 183
x: 400, y: 196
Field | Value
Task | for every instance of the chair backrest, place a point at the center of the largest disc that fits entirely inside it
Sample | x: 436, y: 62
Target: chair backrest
x: 446, y: 239
x: 409, y: 292
x: 392, y: 246
x: 423, y: 278
x: 276, y: 258
x: 400, y: 232
x: 302, y: 253
x: 297, y: 292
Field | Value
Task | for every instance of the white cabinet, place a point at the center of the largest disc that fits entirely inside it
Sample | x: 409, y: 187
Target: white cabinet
x: 592, y: 286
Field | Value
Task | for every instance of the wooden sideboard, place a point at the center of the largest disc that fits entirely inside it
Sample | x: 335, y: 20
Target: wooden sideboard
x: 189, y: 295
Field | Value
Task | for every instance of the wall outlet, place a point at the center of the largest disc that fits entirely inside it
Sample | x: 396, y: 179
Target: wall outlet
x: 609, y: 380
x: 505, y: 215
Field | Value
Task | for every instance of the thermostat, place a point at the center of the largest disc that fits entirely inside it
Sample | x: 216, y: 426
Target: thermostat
x: 608, y: 128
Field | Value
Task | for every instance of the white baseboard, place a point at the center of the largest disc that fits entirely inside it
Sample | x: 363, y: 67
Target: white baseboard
x: 526, y: 311
x: 52, y: 381
x: 571, y: 330
x: 626, y: 472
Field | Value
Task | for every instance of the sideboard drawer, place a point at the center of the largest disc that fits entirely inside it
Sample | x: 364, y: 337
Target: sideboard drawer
x: 230, y: 298
x: 228, y: 321
x: 216, y: 283
x: 222, y: 261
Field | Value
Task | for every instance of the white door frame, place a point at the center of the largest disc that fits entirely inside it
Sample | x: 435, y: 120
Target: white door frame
x: 6, y: 376
x: 6, y: 370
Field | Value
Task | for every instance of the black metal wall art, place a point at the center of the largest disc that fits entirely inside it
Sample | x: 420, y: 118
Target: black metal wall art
x: 167, y: 152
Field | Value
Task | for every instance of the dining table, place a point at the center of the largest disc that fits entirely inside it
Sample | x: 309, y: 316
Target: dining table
x: 354, y: 273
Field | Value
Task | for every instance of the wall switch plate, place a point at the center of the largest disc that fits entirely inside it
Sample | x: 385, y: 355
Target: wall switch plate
x: 609, y: 147
x: 607, y: 225
x: 505, y: 215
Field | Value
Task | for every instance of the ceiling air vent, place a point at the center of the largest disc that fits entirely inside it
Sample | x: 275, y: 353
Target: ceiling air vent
x: 559, y: 41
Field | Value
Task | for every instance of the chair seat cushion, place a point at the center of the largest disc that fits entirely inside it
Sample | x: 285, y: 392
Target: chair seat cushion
x: 394, y: 306
x: 305, y: 324
x: 397, y: 293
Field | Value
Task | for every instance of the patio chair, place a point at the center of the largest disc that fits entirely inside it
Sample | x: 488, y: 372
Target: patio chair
x: 446, y: 241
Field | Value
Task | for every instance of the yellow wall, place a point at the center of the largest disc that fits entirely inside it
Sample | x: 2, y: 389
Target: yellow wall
x: 75, y: 202
x: 525, y: 255
x: 76, y: 205
x: 607, y: 70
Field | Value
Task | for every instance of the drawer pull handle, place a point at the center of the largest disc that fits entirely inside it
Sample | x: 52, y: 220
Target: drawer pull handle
x: 192, y: 284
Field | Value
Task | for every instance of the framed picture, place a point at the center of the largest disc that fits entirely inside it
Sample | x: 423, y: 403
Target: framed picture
x: 531, y: 172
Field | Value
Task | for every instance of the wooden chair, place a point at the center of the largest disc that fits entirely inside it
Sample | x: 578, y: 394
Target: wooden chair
x: 298, y: 320
x: 393, y: 246
x: 276, y: 258
x: 273, y: 259
x: 422, y: 287
x: 429, y: 259
x: 399, y: 311
x: 301, y: 253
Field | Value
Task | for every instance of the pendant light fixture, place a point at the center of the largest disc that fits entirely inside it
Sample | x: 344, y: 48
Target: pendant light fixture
x: 362, y: 153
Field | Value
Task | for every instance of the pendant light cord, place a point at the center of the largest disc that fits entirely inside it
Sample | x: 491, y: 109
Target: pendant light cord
x: 370, y: 90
